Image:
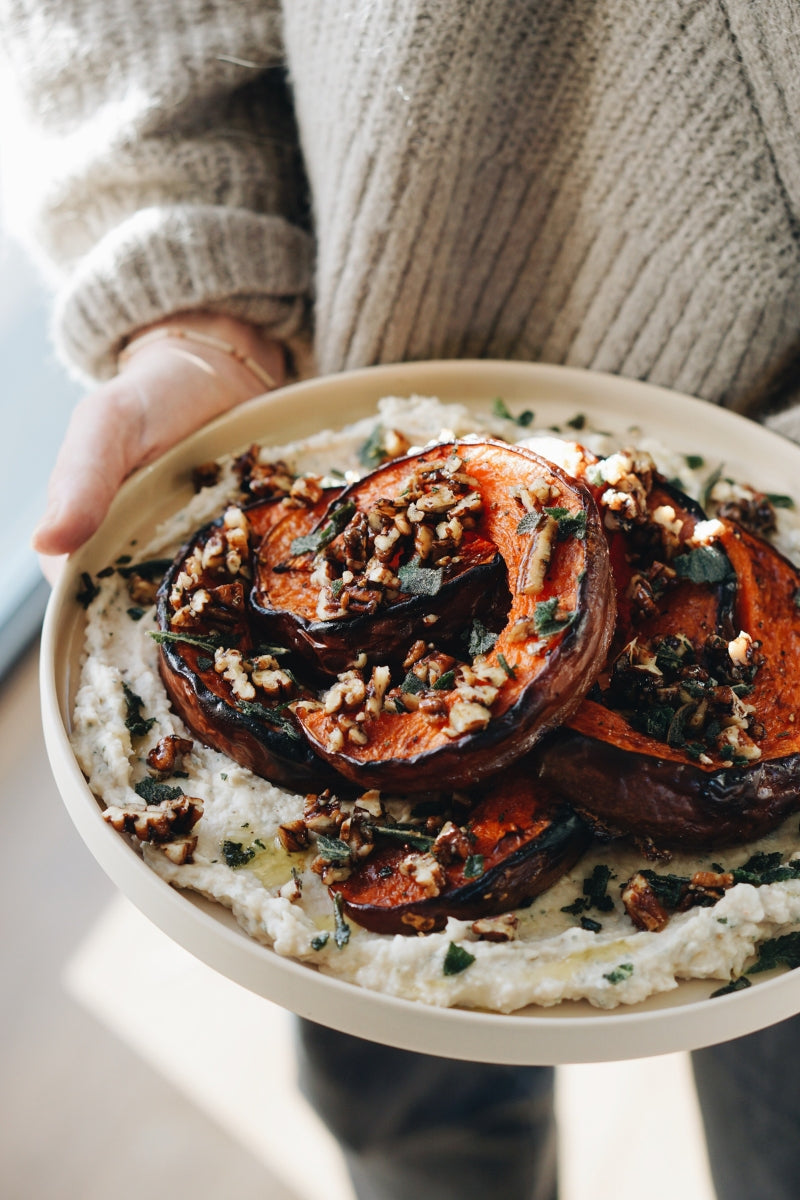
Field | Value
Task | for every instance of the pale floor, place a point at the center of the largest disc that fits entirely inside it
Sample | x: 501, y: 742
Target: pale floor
x: 130, y: 1070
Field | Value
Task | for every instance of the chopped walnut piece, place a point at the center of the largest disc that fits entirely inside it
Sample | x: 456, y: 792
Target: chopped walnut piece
x: 425, y: 871
x: 643, y: 906
x: 169, y: 752
x: 323, y: 813
x: 142, y: 590
x: 535, y: 569
x: 451, y: 843
x: 418, y: 922
x: 502, y: 928
x: 164, y: 822
x: 467, y: 717
x: 180, y: 851
x: 293, y: 836
x: 706, y: 887
x: 330, y: 872
x: 230, y: 664
x: 370, y: 803
x: 205, y: 475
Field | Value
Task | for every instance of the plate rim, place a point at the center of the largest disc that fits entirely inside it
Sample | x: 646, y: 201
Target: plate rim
x: 532, y: 1036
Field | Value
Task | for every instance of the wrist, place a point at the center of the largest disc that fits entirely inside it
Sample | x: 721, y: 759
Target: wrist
x: 234, y: 349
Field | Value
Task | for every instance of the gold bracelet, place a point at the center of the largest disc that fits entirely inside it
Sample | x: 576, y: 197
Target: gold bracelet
x: 201, y: 339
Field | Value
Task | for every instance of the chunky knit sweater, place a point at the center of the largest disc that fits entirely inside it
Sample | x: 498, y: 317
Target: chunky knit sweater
x: 611, y: 184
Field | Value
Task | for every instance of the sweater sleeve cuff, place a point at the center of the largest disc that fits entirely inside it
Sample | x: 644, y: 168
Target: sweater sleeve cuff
x: 786, y: 422
x: 171, y: 259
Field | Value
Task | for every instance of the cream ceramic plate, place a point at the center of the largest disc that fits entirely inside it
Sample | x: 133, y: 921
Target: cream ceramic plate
x: 570, y: 1032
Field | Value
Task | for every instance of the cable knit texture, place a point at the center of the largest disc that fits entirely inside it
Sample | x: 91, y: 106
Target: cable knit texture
x: 605, y: 183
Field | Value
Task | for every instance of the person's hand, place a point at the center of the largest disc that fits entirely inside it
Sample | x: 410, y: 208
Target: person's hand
x: 165, y: 390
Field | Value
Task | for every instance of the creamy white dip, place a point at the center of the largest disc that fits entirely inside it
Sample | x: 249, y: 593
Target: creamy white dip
x: 552, y: 958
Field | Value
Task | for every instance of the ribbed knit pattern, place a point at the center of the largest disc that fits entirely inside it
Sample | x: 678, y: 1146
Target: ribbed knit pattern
x: 605, y: 183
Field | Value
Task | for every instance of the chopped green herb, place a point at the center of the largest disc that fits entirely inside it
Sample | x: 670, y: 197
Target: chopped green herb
x: 501, y: 409
x: 531, y: 521
x: 341, y: 934
x: 204, y: 663
x: 778, y: 952
x: 236, y: 855
x: 333, y: 850
x: 620, y: 973
x: 258, y: 842
x: 152, y: 568
x: 474, y: 866
x: 410, y: 837
x: 711, y: 482
x: 590, y: 925
x: 596, y: 888
x: 135, y: 723
x: 761, y: 869
x: 735, y: 985
x: 273, y: 716
x: 445, y: 681
x: 209, y: 642
x: 420, y: 581
x: 154, y: 793
x: 577, y: 422
x: 703, y: 564
x: 546, y: 620
x: 570, y: 524
x: 668, y: 889
x: 135, y: 612
x: 88, y: 590
x: 412, y: 685
x: 510, y: 671
x: 777, y: 500
x: 694, y: 461
x: 223, y: 775
x: 337, y: 588
x: 372, y: 452
x: 481, y: 639
x: 457, y: 959
x: 318, y: 539
x: 595, y: 893
x: 123, y: 559
x: 319, y: 941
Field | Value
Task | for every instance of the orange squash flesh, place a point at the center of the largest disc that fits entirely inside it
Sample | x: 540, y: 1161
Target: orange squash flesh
x: 522, y: 838
x: 284, y: 597
x: 631, y: 783
x: 547, y: 672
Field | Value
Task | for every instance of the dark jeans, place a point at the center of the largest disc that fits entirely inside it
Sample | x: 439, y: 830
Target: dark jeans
x: 440, y: 1129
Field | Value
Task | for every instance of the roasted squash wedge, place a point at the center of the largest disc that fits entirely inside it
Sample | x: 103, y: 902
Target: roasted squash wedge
x: 690, y: 739
x: 231, y: 692
x: 326, y: 581
x: 518, y: 840
x: 457, y: 721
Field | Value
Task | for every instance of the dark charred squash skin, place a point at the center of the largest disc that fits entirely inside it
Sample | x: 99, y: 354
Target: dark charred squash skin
x: 205, y: 701
x: 283, y: 598
x: 676, y: 805
x: 629, y: 783
x: 548, y: 676
x: 526, y: 837
x: 268, y: 751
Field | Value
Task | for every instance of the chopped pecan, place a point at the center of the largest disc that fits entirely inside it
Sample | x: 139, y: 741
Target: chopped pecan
x: 163, y: 822
x: 643, y: 906
x: 168, y: 752
x: 502, y: 928
x: 293, y: 836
